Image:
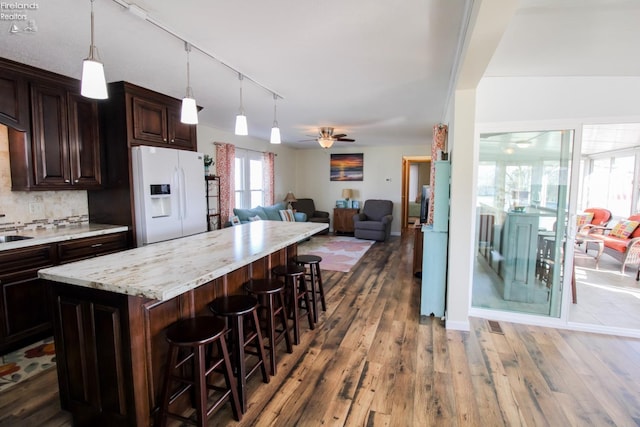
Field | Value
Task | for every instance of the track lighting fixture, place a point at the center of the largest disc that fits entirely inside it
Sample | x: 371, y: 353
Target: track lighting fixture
x: 241, y: 119
x: 275, y: 130
x: 94, y: 84
x: 189, y: 109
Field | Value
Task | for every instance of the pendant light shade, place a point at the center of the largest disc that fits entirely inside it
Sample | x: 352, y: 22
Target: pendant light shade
x: 275, y: 130
x: 189, y: 114
x: 241, y: 119
x: 94, y: 84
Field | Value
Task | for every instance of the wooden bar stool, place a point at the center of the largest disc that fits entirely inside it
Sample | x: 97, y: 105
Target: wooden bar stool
x: 234, y: 308
x: 297, y: 287
x: 195, y: 335
x: 315, y: 278
x: 270, y: 293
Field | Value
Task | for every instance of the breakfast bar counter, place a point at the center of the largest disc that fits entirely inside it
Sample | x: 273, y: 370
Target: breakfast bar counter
x: 110, y: 312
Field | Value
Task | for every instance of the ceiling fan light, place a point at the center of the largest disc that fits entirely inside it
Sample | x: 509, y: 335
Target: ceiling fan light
x: 275, y: 135
x: 325, y: 142
x: 241, y: 125
x: 189, y: 111
x: 94, y: 84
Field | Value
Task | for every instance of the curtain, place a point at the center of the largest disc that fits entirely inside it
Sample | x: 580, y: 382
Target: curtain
x: 225, y: 160
x: 268, y: 178
x: 439, y: 143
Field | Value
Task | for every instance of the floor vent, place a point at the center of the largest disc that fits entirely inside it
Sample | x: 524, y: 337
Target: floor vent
x: 494, y: 327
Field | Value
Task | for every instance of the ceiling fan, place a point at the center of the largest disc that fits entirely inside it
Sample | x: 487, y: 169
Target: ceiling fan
x: 326, y: 138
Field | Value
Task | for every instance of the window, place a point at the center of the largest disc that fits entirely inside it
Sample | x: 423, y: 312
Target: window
x: 249, y: 171
x: 610, y: 183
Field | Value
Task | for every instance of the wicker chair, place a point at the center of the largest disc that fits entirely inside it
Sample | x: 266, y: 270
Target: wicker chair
x: 624, y: 250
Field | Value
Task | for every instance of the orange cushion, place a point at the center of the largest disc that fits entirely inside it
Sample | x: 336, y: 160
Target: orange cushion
x: 615, y: 243
x: 624, y: 229
x: 636, y: 233
x: 600, y: 216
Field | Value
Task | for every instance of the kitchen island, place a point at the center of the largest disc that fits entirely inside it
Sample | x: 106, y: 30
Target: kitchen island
x: 110, y: 313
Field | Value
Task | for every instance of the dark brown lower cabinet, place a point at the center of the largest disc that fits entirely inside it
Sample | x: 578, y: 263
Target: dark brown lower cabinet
x: 25, y: 305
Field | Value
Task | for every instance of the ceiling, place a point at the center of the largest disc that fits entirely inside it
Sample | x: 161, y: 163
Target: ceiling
x: 377, y: 71
x: 381, y: 72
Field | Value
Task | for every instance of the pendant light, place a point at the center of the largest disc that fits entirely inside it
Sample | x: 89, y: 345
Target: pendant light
x: 275, y: 130
x: 93, y: 85
x: 241, y: 119
x: 189, y: 109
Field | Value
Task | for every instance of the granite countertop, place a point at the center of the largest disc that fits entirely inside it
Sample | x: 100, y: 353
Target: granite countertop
x: 60, y: 234
x: 165, y: 270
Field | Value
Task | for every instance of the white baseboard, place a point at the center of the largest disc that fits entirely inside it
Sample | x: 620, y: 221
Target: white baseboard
x: 457, y: 326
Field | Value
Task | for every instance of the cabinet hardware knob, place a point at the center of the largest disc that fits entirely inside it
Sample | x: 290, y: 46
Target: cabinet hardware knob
x: 173, y: 140
x: 164, y: 139
x: 76, y: 181
x: 96, y: 245
x: 67, y: 181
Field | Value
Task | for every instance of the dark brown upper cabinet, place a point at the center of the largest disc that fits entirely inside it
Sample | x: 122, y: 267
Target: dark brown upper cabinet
x: 155, y: 120
x: 54, y: 140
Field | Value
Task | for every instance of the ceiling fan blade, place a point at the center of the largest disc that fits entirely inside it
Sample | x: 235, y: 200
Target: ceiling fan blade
x: 346, y: 139
x: 340, y: 135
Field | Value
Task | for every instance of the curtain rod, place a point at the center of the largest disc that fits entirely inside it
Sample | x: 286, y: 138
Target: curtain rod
x: 142, y: 14
x: 246, y: 149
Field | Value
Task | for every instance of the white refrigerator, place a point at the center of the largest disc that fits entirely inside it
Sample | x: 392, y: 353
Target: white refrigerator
x: 169, y: 193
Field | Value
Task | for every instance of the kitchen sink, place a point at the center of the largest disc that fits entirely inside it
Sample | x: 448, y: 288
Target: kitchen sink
x: 13, y: 238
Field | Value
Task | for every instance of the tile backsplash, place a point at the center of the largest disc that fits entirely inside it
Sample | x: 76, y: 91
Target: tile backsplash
x: 28, y: 210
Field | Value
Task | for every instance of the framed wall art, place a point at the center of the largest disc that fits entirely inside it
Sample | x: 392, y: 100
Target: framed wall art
x: 347, y: 167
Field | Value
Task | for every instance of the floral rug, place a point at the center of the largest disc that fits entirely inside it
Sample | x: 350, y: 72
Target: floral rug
x: 339, y: 253
x: 26, y: 362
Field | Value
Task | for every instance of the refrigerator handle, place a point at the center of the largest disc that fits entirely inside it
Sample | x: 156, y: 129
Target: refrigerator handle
x: 183, y: 193
x: 178, y: 189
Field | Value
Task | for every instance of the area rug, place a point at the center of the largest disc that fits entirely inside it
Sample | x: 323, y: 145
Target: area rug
x: 26, y: 362
x: 339, y: 253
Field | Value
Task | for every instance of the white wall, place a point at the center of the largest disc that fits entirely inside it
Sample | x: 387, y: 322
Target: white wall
x: 382, y: 176
x: 517, y: 99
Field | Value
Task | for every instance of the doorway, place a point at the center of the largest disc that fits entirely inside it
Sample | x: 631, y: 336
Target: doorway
x: 416, y: 172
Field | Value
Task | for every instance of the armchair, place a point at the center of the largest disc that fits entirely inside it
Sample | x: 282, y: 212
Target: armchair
x: 374, y: 222
x: 308, y: 207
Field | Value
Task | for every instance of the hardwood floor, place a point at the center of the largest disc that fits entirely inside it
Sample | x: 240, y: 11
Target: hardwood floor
x: 371, y: 363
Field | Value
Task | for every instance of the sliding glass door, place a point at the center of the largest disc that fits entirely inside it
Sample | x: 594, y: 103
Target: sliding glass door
x: 521, y: 232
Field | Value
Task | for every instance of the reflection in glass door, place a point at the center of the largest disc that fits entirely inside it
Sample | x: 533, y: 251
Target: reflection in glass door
x: 521, y: 208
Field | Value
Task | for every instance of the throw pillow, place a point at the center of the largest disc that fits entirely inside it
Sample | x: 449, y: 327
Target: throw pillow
x: 287, y: 215
x: 624, y: 228
x: 254, y: 218
x: 585, y: 218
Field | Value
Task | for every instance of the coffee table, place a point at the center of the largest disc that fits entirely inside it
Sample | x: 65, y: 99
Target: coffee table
x: 586, y: 239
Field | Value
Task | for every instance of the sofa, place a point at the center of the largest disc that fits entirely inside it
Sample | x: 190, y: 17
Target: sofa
x: 266, y: 213
x: 622, y: 242
x: 308, y: 207
x: 374, y: 222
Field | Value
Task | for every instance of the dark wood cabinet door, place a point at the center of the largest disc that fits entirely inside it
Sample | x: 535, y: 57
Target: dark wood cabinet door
x: 14, y: 97
x: 24, y: 301
x: 343, y: 220
x: 84, y: 141
x: 149, y: 121
x: 180, y: 134
x: 50, y: 136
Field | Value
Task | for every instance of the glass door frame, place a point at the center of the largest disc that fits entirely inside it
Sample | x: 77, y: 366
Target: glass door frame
x: 562, y: 321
